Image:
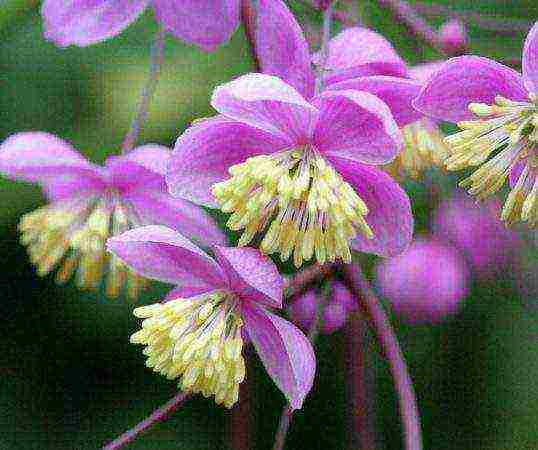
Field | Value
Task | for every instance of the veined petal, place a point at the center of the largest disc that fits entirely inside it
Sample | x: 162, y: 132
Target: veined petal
x: 529, y: 62
x: 253, y: 276
x: 162, y: 254
x: 268, y: 103
x: 205, y: 23
x: 282, y: 48
x: 203, y: 154
x: 44, y: 158
x: 286, y: 353
x: 153, y: 157
x: 188, y: 288
x: 157, y: 207
x: 126, y: 175
x: 397, y: 93
x: 356, y: 125
x: 86, y: 22
x: 357, y: 52
x: 423, y: 72
x: 464, y: 80
x: 389, y: 214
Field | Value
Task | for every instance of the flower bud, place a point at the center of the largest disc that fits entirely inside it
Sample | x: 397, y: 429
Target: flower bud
x: 453, y: 37
x: 424, y: 284
x: 322, y: 4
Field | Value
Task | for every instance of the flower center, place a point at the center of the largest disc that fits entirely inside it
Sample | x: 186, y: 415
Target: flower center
x: 199, y: 339
x: 73, y: 233
x: 303, y: 204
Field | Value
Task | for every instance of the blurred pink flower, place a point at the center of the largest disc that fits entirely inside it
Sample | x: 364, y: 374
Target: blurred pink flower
x: 453, y: 37
x: 425, y: 284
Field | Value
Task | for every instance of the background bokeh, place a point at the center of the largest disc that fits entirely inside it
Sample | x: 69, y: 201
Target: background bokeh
x: 69, y: 379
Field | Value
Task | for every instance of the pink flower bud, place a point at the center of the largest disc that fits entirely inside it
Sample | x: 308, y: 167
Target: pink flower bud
x: 302, y: 309
x: 453, y: 37
x: 426, y: 283
x: 340, y: 294
x: 334, y: 316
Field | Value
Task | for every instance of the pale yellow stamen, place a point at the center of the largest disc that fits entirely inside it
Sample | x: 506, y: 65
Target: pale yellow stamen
x: 302, y: 203
x: 509, y: 131
x: 197, y: 339
x: 72, y: 236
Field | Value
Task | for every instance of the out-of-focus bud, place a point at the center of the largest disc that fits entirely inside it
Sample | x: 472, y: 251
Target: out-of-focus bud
x: 476, y: 230
x: 340, y: 294
x: 334, y: 317
x: 453, y: 37
x: 322, y: 4
x: 426, y: 283
x: 302, y: 309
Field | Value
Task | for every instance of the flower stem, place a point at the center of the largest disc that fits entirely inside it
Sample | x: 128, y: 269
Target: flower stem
x: 249, y: 17
x: 324, y: 48
x: 409, y: 413
x: 287, y: 412
x: 301, y: 281
x: 146, y: 94
x: 158, y: 415
x: 241, y: 419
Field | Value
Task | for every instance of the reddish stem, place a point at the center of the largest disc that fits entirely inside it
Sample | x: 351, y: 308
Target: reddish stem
x: 249, y: 19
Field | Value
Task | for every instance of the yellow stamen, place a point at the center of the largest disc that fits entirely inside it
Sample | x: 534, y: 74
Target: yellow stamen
x: 302, y: 203
x: 197, y: 339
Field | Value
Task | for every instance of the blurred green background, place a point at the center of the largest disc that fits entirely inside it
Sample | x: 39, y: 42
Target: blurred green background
x: 69, y: 379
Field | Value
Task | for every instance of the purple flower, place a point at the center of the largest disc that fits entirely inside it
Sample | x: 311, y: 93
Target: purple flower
x: 497, y: 110
x: 89, y: 203
x: 206, y: 23
x: 475, y: 230
x: 453, y: 37
x: 195, y: 333
x: 294, y: 167
x: 362, y: 59
x: 426, y: 283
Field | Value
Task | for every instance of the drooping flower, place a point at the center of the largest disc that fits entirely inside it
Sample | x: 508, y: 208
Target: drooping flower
x: 88, y: 203
x: 426, y: 283
x: 497, y: 111
x: 196, y: 332
x: 294, y: 169
x: 362, y: 59
x: 477, y: 233
x: 205, y: 23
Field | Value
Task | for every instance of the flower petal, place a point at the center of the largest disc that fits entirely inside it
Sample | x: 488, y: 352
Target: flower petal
x: 356, y: 125
x: 286, y: 353
x: 252, y: 275
x: 516, y: 170
x: 390, y: 215
x: 397, y: 93
x: 153, y: 157
x: 281, y: 46
x: 162, y: 254
x: 423, y: 72
x: 188, y: 288
x: 205, y: 23
x: 268, y: 103
x: 467, y: 79
x: 529, y: 62
x: 83, y: 22
x: 44, y: 158
x: 203, y: 154
x: 357, y: 52
x: 159, y: 208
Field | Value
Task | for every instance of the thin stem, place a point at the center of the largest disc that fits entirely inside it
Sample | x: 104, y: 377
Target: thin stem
x: 324, y: 49
x: 158, y: 415
x: 249, y: 17
x: 287, y: 412
x: 241, y: 416
x: 146, y: 94
x: 389, y: 343
x: 301, y: 281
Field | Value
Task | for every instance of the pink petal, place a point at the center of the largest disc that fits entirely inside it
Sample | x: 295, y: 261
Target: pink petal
x: 268, y: 103
x: 423, y: 72
x: 159, y: 208
x: 530, y: 60
x: 281, y: 46
x: 206, y: 23
x: 252, y: 275
x: 126, y: 175
x: 516, y: 170
x: 188, y: 288
x: 356, y: 125
x: 153, y: 157
x: 44, y: 158
x: 286, y: 353
x: 357, y: 52
x: 162, y: 254
x: 203, y: 154
x: 86, y: 22
x: 397, y: 93
x: 390, y: 215
x: 467, y: 79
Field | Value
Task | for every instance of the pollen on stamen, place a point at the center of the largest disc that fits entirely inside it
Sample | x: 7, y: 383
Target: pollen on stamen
x: 298, y: 202
x: 198, y: 340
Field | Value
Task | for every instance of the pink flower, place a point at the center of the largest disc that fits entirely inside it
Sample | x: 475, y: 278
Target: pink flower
x: 426, y: 283
x: 475, y: 230
x: 292, y: 166
x: 206, y: 23
x: 89, y: 203
x: 453, y: 37
x: 196, y: 332
x: 497, y: 110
